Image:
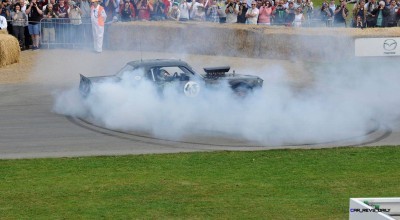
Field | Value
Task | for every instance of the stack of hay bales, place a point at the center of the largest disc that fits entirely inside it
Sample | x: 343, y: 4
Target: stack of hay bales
x: 9, y: 49
x: 253, y: 41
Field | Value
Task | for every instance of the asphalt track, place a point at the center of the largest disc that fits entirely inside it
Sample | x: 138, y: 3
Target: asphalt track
x: 30, y: 129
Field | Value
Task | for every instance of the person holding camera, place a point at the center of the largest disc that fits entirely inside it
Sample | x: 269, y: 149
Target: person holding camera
x: 232, y: 10
x: 265, y: 13
x: 74, y: 13
x: 49, y: 33
x: 359, y: 10
x: 197, y: 10
x: 34, y: 15
x: 359, y: 23
x: 370, y: 6
x: 5, y: 11
x: 158, y: 11
x: 127, y: 11
x: 307, y: 9
x: 212, y: 12
x: 326, y: 14
x: 174, y: 13
x: 110, y: 6
x: 184, y: 8
x: 340, y: 14
x: 144, y: 10
x: 241, y: 17
x: 279, y: 14
x: 381, y: 13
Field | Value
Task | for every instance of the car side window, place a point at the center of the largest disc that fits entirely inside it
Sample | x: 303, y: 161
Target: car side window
x: 154, y: 74
x: 173, y: 71
x: 166, y: 73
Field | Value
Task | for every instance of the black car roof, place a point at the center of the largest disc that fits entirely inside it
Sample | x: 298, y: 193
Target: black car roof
x: 157, y: 62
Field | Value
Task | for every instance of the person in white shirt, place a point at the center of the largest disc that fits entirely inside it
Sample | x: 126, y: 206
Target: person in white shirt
x: 232, y: 10
x: 194, y: 10
x: 3, y: 23
x: 184, y: 8
x: 252, y: 13
x: 174, y: 12
x: 98, y: 17
x: 332, y: 5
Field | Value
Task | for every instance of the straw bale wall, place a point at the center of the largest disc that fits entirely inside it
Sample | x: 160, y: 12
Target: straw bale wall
x: 240, y: 40
x: 9, y: 50
x: 3, y: 31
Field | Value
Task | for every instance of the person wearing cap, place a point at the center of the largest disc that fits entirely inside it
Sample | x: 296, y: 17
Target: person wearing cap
x: 74, y: 14
x: 98, y: 17
x: 174, y: 12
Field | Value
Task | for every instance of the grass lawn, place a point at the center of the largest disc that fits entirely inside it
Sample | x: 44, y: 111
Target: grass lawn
x: 275, y: 184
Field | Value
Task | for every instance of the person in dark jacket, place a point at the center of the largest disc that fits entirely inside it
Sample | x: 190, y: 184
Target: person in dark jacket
x: 34, y: 13
x: 381, y: 13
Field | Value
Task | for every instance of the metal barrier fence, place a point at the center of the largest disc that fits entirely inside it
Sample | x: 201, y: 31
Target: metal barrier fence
x: 66, y: 33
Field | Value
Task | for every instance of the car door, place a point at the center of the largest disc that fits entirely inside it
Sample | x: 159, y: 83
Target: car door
x: 174, y: 76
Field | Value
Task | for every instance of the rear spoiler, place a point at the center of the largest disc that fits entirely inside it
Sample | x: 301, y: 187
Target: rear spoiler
x: 84, y: 85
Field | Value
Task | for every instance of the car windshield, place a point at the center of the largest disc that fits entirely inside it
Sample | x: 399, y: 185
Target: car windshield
x: 198, y: 73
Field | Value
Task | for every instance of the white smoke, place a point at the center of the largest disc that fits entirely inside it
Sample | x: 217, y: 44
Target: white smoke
x: 341, y: 102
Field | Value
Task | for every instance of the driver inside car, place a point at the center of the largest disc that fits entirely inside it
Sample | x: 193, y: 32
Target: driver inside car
x: 164, y: 75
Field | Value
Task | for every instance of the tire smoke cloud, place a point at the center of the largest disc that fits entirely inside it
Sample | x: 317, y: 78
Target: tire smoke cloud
x: 341, y: 102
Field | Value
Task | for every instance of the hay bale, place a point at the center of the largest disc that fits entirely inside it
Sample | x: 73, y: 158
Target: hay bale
x: 3, y: 31
x: 9, y: 50
x: 254, y: 41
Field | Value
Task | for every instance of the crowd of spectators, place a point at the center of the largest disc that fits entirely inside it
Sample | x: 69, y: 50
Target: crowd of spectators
x: 23, y: 17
